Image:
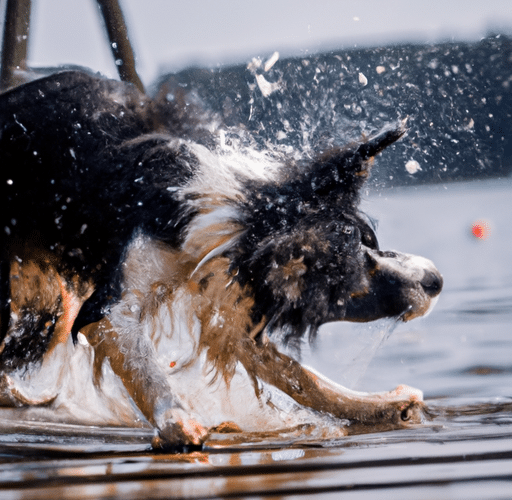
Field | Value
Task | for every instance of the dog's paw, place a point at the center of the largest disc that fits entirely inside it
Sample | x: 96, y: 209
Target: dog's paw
x: 400, y: 407
x: 411, y: 412
x: 407, y: 403
x: 178, y: 430
x: 404, y: 392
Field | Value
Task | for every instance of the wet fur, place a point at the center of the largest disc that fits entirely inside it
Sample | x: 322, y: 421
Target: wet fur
x: 114, y: 221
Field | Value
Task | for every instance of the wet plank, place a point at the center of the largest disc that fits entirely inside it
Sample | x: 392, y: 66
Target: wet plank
x: 466, y: 456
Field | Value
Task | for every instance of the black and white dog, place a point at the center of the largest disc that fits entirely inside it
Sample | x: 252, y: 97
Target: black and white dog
x: 174, y: 268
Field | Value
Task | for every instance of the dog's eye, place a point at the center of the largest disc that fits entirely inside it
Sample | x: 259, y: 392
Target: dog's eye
x: 368, y: 238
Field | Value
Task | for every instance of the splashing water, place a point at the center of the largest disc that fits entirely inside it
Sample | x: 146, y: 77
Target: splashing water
x: 344, y: 351
x: 377, y: 333
x: 454, y: 95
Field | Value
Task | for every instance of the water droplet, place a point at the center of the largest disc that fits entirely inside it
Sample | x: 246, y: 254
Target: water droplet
x: 412, y: 166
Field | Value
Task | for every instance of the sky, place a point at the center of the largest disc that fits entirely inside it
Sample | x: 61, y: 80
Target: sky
x: 169, y: 35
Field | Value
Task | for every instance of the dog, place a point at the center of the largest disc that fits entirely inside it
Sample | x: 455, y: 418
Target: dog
x: 179, y: 269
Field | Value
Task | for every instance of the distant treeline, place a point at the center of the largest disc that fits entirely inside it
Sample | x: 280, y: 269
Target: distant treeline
x: 457, y: 97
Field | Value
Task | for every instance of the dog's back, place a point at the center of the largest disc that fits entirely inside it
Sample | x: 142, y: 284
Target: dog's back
x: 138, y: 239
x: 83, y: 168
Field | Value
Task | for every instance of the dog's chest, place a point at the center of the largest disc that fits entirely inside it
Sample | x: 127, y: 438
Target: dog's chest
x: 204, y: 392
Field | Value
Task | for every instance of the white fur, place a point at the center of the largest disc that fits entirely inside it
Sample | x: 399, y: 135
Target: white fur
x: 222, y: 172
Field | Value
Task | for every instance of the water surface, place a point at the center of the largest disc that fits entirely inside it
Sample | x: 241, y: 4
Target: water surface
x: 460, y: 356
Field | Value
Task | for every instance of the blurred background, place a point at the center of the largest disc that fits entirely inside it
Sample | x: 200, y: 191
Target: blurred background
x: 345, y: 69
x: 348, y: 68
x: 170, y: 35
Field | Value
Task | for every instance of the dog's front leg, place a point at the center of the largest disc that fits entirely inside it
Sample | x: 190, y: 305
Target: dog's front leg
x: 133, y: 359
x: 402, y: 404
x: 392, y: 409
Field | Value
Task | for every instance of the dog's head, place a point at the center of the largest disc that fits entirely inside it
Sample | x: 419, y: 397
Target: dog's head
x: 311, y: 256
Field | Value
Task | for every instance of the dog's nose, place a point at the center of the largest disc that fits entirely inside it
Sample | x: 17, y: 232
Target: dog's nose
x: 432, y: 283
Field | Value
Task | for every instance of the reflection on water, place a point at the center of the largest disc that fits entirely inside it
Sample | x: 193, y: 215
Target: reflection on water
x: 460, y: 356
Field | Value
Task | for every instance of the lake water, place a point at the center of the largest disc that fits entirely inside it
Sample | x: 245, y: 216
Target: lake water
x: 460, y: 356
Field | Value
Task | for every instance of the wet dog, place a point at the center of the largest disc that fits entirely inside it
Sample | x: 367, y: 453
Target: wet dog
x: 179, y: 267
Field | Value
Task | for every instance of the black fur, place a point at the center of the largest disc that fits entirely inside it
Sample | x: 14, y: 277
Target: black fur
x: 110, y: 221
x: 27, y: 345
x: 314, y: 218
x: 86, y: 166
x: 78, y: 180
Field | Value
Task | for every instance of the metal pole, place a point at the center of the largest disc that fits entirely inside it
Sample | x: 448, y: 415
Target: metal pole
x: 119, y: 41
x: 15, y: 41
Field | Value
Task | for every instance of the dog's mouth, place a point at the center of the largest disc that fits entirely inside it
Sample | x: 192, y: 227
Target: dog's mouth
x: 402, y: 286
x: 411, y: 312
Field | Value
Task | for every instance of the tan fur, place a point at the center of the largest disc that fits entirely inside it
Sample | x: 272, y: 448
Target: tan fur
x: 33, y: 283
x: 36, y: 285
x: 197, y: 279
x: 223, y: 309
x: 288, y: 278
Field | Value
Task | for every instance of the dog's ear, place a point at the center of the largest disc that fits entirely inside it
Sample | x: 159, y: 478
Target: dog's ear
x: 343, y: 171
